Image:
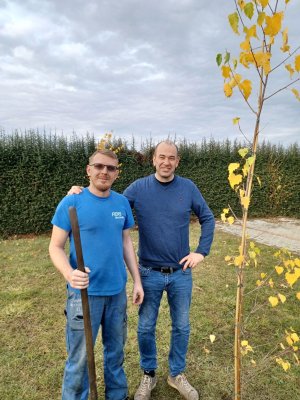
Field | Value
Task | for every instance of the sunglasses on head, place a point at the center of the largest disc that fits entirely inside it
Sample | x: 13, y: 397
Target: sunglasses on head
x: 100, y: 167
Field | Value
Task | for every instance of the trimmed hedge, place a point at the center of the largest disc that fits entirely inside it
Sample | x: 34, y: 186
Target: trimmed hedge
x: 36, y: 170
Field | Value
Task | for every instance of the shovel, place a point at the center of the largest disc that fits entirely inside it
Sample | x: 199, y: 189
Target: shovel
x: 85, y: 307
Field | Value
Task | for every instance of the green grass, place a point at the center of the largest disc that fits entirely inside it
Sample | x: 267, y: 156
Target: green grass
x: 32, y: 298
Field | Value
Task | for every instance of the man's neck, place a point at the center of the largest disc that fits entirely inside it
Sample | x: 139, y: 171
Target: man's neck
x: 99, y: 193
x: 161, y: 179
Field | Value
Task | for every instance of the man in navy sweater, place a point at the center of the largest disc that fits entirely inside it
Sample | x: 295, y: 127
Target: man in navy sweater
x: 163, y: 203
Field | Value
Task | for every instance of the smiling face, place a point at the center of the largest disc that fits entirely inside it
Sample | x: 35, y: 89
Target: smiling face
x: 100, y: 174
x: 165, y: 161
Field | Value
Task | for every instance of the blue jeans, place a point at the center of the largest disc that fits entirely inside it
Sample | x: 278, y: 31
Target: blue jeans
x: 178, y: 286
x: 110, y: 313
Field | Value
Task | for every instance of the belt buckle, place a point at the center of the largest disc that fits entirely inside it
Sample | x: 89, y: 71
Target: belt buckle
x: 168, y: 270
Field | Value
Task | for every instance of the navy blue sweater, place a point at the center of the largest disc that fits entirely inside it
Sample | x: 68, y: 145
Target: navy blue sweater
x: 163, y: 217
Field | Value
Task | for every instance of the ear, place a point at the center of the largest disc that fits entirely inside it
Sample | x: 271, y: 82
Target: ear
x: 177, y: 162
x: 88, y: 170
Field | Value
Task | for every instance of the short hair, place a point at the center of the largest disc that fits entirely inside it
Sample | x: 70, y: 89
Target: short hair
x: 168, y: 142
x: 105, y: 152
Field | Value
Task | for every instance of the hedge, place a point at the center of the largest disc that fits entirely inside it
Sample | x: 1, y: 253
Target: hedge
x: 37, y: 169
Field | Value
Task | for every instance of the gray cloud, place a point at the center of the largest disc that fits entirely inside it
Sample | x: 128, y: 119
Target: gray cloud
x: 129, y: 66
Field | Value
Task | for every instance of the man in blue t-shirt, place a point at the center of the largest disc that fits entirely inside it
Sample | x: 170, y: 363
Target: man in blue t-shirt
x: 163, y: 203
x: 104, y: 218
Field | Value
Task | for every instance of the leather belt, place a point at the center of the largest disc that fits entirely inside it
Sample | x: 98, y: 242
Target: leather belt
x: 164, y: 270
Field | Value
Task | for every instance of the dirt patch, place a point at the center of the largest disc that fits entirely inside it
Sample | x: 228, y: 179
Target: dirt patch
x: 280, y: 232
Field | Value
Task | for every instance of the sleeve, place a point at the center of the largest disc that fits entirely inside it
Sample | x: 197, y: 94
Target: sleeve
x: 61, y: 217
x: 130, y: 193
x: 129, y: 220
x: 206, y: 220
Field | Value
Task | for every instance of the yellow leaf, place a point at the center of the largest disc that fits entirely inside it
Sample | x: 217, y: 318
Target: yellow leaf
x: 230, y: 220
x: 286, y: 365
x: 296, y: 93
x: 212, y: 338
x: 227, y: 90
x: 259, y: 282
x: 298, y: 295
x: 291, y: 278
x: 244, y: 343
x: 297, y: 262
x: 261, y: 18
x: 241, y: 4
x: 232, y: 167
x: 279, y: 269
x: 245, y: 45
x: 297, y: 63
x: 273, y: 300
x: 206, y: 350
x: 282, y: 298
x: 236, y: 120
x: 226, y: 71
x: 295, y: 337
x: 271, y: 283
x: 250, y: 160
x: 263, y: 275
x: 250, y: 32
x: 227, y: 258
x: 246, y: 88
x: 245, y: 201
x: 273, y: 24
x: 289, y: 341
x: 234, y: 22
x: 285, y: 47
x: 235, y: 180
x: 243, y: 152
x: 258, y: 180
x: 290, y: 69
x: 238, y: 261
x: 264, y: 3
x: 282, y: 346
x: 253, y: 362
x: 225, y: 210
x: 223, y: 217
x: 235, y: 80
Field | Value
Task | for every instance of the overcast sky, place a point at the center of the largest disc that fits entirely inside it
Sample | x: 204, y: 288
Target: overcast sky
x: 135, y: 67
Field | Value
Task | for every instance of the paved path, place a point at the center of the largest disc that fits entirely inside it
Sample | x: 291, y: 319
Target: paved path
x: 281, y: 232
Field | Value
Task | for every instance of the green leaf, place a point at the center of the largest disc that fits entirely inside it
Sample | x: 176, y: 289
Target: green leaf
x: 249, y: 10
x: 227, y: 57
x: 219, y: 59
x: 234, y: 22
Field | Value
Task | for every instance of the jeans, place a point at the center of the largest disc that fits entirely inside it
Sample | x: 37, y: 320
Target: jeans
x: 110, y: 313
x: 178, y: 286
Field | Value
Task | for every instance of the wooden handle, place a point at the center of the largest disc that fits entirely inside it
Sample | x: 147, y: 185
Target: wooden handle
x: 85, y: 307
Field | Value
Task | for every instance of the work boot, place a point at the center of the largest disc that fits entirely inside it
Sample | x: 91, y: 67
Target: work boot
x: 183, y: 386
x: 147, y: 384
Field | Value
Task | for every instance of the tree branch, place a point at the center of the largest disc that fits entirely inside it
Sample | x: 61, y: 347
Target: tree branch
x: 283, y: 61
x: 279, y: 90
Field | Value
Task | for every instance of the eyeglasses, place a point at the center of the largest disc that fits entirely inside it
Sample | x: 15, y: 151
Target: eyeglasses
x: 100, y: 167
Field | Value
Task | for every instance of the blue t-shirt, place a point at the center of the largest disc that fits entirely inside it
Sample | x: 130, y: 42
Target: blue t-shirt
x: 163, y: 217
x: 101, y: 223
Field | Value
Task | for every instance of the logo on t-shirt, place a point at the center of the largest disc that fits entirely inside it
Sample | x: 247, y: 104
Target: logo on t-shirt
x: 117, y: 215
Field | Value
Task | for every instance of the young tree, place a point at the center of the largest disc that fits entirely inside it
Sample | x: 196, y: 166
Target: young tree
x: 260, y: 23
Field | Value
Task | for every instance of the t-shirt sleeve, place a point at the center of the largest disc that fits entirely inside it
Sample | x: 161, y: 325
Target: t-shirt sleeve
x: 129, y: 220
x: 61, y: 217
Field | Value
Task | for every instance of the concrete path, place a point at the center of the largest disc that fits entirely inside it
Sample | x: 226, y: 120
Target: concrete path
x: 281, y: 232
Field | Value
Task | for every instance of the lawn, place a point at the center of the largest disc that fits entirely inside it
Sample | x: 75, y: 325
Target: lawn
x: 32, y: 297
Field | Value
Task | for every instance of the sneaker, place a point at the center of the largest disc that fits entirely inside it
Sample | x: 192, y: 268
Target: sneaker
x: 146, y: 386
x: 183, y: 386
